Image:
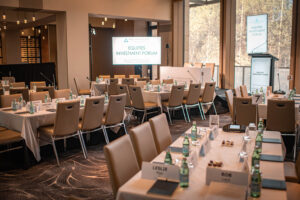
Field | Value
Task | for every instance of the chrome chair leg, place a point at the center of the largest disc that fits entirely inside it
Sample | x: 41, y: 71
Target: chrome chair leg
x: 187, y: 113
x: 82, y: 145
x: 125, y: 128
x: 200, y: 110
x: 169, y: 116
x: 55, y: 151
x: 65, y: 144
x: 183, y: 113
x: 214, y: 108
x: 144, y: 116
x: 203, y: 111
x: 295, y: 148
x: 105, y: 135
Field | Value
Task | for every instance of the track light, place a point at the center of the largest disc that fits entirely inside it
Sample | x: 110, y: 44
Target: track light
x: 125, y: 20
x: 39, y: 31
x: 33, y: 18
x: 25, y: 21
x: 4, y: 16
x: 33, y: 28
x: 114, y: 25
x: 102, y: 23
x: 4, y: 27
x: 105, y: 18
x: 18, y: 22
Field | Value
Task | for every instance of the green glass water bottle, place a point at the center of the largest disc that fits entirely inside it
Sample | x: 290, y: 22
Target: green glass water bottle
x: 168, y: 157
x: 256, y: 182
x: 194, y: 132
x: 255, y: 157
x: 260, y: 127
x: 186, y: 146
x: 258, y: 141
x: 31, y: 108
x: 71, y: 95
x: 184, y: 174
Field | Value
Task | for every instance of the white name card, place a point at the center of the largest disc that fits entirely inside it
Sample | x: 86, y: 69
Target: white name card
x: 204, y: 148
x: 153, y: 171
x: 226, y: 176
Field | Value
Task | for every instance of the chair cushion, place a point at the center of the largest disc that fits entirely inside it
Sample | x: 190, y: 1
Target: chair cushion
x: 48, y: 130
x: 84, y: 92
x: 165, y: 103
x: 9, y: 136
x: 290, y: 172
x: 150, y: 104
x: 293, y: 191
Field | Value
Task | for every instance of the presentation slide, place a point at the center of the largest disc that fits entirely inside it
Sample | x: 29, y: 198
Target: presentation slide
x: 260, y: 73
x: 257, y: 34
x: 136, y: 50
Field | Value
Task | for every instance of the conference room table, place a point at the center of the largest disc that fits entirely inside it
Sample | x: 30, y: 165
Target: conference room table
x: 137, y: 187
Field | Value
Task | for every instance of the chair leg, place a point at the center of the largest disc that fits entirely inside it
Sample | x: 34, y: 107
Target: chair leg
x: 214, y: 108
x: 105, y: 135
x: 295, y: 148
x: 169, y: 116
x: 83, y: 140
x: 65, y: 144
x: 200, y: 110
x: 144, y: 116
x: 183, y: 113
x: 55, y: 152
x: 82, y: 145
x: 26, y: 159
x: 187, y: 113
x: 203, y: 111
x: 125, y: 128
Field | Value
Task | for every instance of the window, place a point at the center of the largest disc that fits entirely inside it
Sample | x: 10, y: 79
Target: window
x: 30, y: 50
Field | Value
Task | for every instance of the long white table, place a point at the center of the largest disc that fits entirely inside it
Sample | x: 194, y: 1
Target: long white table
x: 137, y: 188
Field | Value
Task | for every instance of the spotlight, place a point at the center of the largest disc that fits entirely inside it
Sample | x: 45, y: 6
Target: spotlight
x: 18, y: 22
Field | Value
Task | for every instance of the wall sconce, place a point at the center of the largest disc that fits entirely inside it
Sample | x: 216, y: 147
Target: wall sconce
x: 105, y: 19
x: 102, y: 23
x: 33, y: 28
x: 45, y: 26
x: 25, y: 21
x: 4, y: 16
x: 125, y: 20
x: 114, y: 26
x: 18, y: 22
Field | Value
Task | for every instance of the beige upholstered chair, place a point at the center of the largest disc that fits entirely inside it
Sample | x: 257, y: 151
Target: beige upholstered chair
x: 292, y: 177
x: 63, y: 93
x: 244, y: 91
x: 281, y: 117
x: 134, y: 76
x: 128, y: 81
x: 81, y: 91
x: 10, y: 79
x: 120, y: 76
x: 237, y: 92
x: 198, y: 65
x: 245, y: 111
x: 175, y: 101
x: 104, y: 76
x: 112, y: 87
x: 17, y: 84
x: 168, y: 81
x: 115, y: 113
x: 155, y: 82
x: 37, y: 84
x: 147, y: 79
x: 192, y: 99
x: 121, y: 161
x: 92, y: 118
x: 141, y: 84
x: 211, y: 66
x: 23, y: 91
x: 65, y: 125
x: 143, y: 143
x: 230, y: 100
x: 50, y: 89
x: 7, y: 99
x: 138, y: 102
x: 208, y: 96
x: 35, y: 96
x: 123, y: 89
x: 161, y: 132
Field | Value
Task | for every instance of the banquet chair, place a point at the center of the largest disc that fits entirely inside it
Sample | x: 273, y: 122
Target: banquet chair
x: 211, y: 66
x: 208, y: 96
x: 23, y: 91
x: 143, y: 143
x: 269, y: 89
x: 141, y: 84
x: 81, y: 91
x: 161, y: 132
x: 63, y: 93
x: 128, y: 81
x: 37, y: 84
x: 17, y: 84
x: 281, y: 117
x: 121, y: 162
x: 244, y: 91
x: 50, y: 89
x: 35, y: 96
x: 192, y: 99
x: 147, y: 79
x: 134, y: 76
x: 114, y: 116
x: 7, y: 99
x: 175, y: 101
x: 10, y: 79
x: 123, y: 89
x: 112, y: 87
x: 292, y: 177
x: 120, y: 76
x: 138, y: 103
x: 104, y: 76
x: 230, y: 102
x: 198, y: 65
x: 155, y: 82
x: 65, y: 125
x: 168, y: 81
x: 245, y: 111
x: 237, y: 92
x: 93, y: 116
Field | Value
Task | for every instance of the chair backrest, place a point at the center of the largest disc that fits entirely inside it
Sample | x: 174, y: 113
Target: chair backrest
x: 115, y: 110
x: 245, y: 111
x: 168, y: 81
x: 209, y: 92
x: 141, y: 83
x: 11, y: 79
x: 281, y: 115
x: 35, y: 96
x: 50, y: 89
x: 199, y: 65
x: 298, y: 166
x: 161, y: 132
x: 67, y: 118
x: 229, y: 98
x: 155, y: 82
x: 143, y: 143
x: 134, y: 76
x: 7, y: 99
x: 23, y: 91
x: 244, y: 91
x: 187, y: 64
x: 211, y: 66
x: 112, y: 87
x: 147, y: 79
x: 63, y: 93
x: 136, y: 97
x: 37, y: 84
x: 194, y: 94
x: 104, y: 76
x: 120, y: 76
x: 176, y: 96
x: 121, y: 161
x: 18, y: 84
x: 93, y: 113
x: 270, y: 89
x: 123, y: 89
x: 128, y: 81
x: 237, y: 92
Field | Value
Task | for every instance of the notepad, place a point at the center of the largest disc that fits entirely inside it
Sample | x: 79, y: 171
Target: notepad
x: 162, y: 187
